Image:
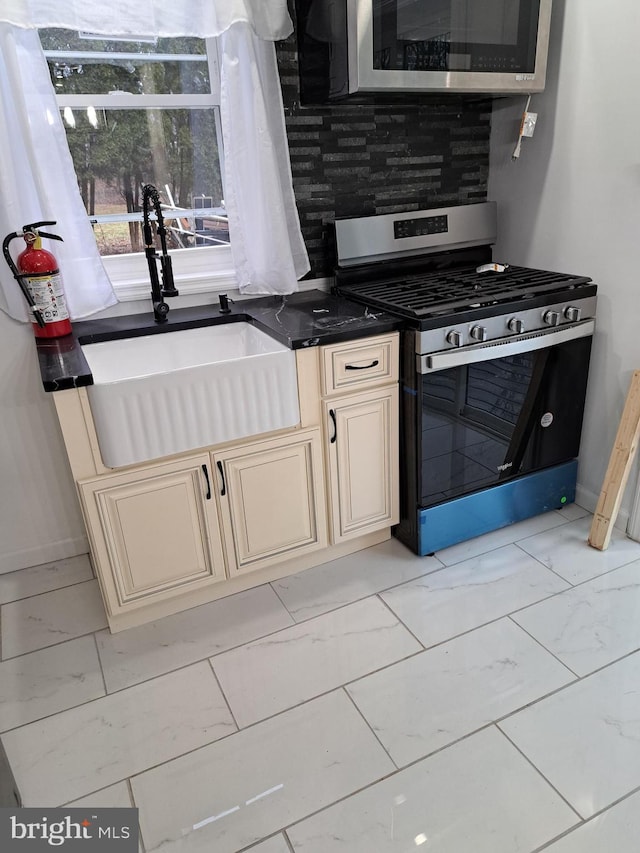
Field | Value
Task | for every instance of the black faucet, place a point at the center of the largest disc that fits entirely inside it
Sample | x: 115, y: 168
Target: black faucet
x: 168, y: 288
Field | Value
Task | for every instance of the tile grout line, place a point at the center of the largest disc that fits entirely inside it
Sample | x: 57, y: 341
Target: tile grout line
x: 370, y: 594
x: 540, y: 773
x: 174, y: 669
x: 559, y: 837
x: 395, y: 616
x: 141, y: 844
x: 369, y: 726
x: 588, y: 820
x: 47, y: 591
x: 575, y: 584
x: 539, y: 643
x: 334, y: 689
x: 99, y: 699
x: 255, y: 844
x: 285, y: 829
x: 223, y: 694
x: 625, y: 565
x: 104, y: 680
x: 211, y: 743
x: 55, y: 645
x: 544, y: 565
x: 209, y: 659
x: 281, y: 600
x: 563, y: 591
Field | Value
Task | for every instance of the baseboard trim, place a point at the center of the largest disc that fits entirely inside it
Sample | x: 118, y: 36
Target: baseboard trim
x: 36, y: 556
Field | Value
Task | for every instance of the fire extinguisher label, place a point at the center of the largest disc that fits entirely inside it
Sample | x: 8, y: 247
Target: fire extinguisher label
x: 48, y: 296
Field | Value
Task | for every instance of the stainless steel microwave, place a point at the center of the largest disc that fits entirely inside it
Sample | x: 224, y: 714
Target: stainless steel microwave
x: 469, y: 46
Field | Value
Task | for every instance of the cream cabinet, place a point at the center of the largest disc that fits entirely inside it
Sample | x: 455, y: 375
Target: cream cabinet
x: 362, y: 432
x: 361, y: 435
x: 179, y: 532
x: 272, y: 500
x: 174, y: 528
x: 154, y: 533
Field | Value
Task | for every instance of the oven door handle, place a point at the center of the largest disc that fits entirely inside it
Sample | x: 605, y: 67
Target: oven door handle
x: 503, y: 347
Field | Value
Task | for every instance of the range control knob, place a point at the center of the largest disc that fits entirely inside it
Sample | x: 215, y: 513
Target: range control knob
x: 516, y: 326
x: 454, y: 337
x: 551, y: 318
x: 478, y: 333
x: 572, y: 313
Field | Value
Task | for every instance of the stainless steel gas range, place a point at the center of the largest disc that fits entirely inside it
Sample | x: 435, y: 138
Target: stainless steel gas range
x: 494, y: 368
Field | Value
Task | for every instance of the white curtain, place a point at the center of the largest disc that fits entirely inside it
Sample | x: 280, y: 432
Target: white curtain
x: 269, y: 254
x: 203, y: 18
x: 38, y: 181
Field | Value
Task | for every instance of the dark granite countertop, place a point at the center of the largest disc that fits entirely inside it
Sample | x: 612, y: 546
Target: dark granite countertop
x: 306, y: 319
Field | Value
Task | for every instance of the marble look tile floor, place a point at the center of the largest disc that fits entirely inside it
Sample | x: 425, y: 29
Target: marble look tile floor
x: 485, y: 699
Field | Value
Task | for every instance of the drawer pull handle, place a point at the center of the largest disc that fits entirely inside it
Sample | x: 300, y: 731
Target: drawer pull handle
x: 374, y: 363
x: 224, y: 485
x: 332, y: 415
x: 206, y: 476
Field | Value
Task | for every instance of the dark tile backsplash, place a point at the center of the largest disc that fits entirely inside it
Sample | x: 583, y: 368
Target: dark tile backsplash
x: 358, y: 159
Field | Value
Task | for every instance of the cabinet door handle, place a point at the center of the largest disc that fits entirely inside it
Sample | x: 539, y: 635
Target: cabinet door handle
x: 332, y: 415
x: 206, y: 476
x: 224, y: 485
x: 374, y: 363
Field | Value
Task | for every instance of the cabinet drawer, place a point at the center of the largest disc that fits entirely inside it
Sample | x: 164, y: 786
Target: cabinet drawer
x: 356, y: 365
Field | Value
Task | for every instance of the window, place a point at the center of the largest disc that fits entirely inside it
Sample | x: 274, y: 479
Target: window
x: 145, y: 111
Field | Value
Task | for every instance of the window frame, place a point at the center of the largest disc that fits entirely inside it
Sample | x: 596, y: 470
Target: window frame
x: 200, y: 269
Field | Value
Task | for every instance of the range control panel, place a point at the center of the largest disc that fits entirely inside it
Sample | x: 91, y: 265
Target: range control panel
x: 420, y: 226
x: 384, y: 236
x: 527, y: 322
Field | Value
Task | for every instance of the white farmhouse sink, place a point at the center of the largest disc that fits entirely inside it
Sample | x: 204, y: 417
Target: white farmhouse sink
x: 176, y: 391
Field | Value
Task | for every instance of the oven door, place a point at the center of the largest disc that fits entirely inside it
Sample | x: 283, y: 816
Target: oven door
x: 454, y: 45
x: 496, y: 411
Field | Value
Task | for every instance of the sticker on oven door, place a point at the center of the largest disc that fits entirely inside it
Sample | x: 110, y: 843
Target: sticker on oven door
x: 546, y: 420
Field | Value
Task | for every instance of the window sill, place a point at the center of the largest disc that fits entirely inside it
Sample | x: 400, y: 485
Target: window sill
x: 198, y: 270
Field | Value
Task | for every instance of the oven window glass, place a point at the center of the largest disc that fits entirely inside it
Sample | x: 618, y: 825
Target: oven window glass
x: 455, y: 35
x: 494, y: 420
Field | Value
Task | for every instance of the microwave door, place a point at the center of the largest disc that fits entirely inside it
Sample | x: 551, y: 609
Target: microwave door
x: 433, y: 45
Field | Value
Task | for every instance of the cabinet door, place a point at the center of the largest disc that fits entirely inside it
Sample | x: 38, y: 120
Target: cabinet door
x: 154, y: 533
x: 272, y: 500
x: 362, y: 444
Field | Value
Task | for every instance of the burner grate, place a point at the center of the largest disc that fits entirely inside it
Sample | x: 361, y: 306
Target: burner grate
x: 443, y: 292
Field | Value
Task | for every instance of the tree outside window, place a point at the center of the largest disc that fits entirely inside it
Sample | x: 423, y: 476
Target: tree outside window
x: 138, y: 112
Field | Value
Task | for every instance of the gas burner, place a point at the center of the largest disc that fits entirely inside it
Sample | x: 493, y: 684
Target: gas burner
x: 456, y: 290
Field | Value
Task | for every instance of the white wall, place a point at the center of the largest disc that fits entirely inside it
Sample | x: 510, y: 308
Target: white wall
x: 572, y: 201
x: 39, y: 513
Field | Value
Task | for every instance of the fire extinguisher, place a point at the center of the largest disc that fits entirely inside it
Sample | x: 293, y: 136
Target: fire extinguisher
x: 40, y: 280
